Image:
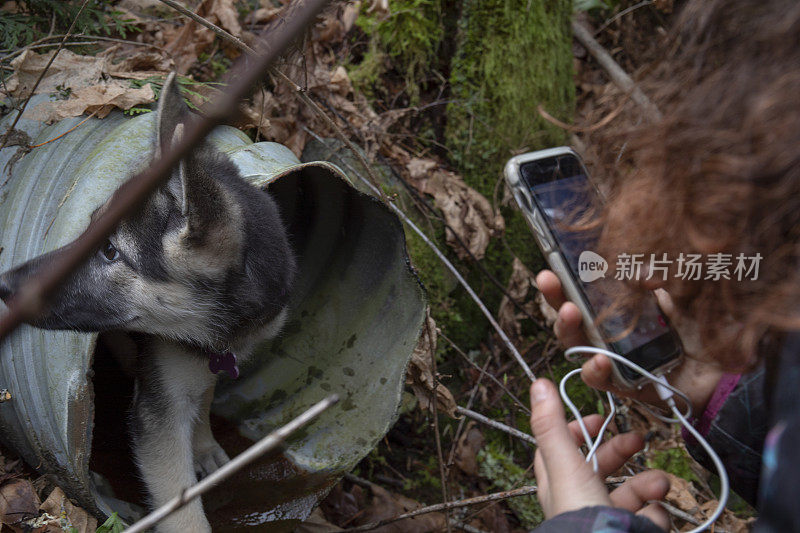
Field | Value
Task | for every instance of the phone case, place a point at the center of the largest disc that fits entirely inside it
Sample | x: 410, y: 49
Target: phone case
x: 555, y: 259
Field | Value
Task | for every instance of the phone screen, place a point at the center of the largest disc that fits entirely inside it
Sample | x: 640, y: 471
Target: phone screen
x: 564, y: 195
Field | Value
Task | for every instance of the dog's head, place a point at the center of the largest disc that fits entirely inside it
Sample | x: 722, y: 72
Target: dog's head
x: 181, y: 266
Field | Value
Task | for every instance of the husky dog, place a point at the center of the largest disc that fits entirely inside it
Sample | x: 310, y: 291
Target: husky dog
x: 200, y: 273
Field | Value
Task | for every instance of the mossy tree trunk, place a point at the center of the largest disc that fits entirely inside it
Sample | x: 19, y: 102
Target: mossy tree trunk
x: 511, y: 56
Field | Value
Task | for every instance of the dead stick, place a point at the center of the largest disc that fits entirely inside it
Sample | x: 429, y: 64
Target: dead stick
x: 487, y: 374
x: 434, y: 407
x: 461, y: 423
x: 496, y: 496
x: 32, y: 296
x: 41, y: 76
x: 495, y: 424
x: 203, y: 22
x: 615, y: 72
x: 265, y: 445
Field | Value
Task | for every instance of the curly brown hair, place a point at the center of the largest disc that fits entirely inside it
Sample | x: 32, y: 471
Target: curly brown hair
x: 721, y: 172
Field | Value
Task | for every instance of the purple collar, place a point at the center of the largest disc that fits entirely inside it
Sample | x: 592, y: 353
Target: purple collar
x: 223, y: 361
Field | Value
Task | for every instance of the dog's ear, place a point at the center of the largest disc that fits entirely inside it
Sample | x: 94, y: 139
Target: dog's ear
x: 198, y: 196
x: 172, y: 113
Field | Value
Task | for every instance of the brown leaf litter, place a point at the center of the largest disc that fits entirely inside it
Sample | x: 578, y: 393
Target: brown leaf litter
x: 85, y: 84
x: 465, y: 210
x: 419, y: 375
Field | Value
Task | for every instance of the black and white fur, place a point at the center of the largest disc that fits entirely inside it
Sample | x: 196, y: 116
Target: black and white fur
x: 205, y: 266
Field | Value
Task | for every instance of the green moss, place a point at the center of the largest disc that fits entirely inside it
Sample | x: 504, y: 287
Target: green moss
x: 495, y: 465
x: 675, y: 461
x: 366, y: 74
x: 409, y: 37
x: 513, y: 55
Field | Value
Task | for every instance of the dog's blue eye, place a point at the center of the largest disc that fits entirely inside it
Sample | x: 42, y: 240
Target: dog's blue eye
x: 110, y: 253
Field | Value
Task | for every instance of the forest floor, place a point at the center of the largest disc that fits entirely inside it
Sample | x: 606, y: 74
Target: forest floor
x: 399, y: 128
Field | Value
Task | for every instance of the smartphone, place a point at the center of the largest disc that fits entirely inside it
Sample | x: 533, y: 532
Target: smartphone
x: 556, y: 195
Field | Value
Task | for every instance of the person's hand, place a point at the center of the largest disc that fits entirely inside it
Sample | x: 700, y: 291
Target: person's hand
x: 566, y: 482
x: 695, y: 378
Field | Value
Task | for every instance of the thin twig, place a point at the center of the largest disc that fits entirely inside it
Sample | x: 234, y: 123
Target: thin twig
x: 490, y: 376
x: 495, y: 424
x: 213, y: 27
x: 496, y: 496
x: 42, y: 74
x: 468, y: 528
x: 449, y: 265
x: 73, y: 128
x: 435, y: 409
x: 615, y: 72
x: 621, y: 14
x: 461, y: 423
x: 41, y: 43
x: 32, y: 296
x: 265, y: 445
x: 582, y: 129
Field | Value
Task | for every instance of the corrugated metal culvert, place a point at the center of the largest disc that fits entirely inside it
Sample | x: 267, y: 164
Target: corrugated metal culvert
x: 356, y: 314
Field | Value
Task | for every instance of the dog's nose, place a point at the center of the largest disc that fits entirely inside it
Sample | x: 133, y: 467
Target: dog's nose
x: 5, y: 290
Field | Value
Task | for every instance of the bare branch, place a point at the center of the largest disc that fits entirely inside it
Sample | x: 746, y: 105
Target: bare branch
x: 267, y: 444
x: 497, y: 425
x: 496, y: 496
x: 434, y: 402
x: 203, y: 22
x: 615, y: 72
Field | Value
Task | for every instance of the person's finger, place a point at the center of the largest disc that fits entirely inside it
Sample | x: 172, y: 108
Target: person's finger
x: 568, y: 327
x: 657, y: 514
x: 560, y: 455
x: 641, y: 488
x: 596, y: 373
x: 612, y: 455
x: 550, y: 285
x: 592, y: 423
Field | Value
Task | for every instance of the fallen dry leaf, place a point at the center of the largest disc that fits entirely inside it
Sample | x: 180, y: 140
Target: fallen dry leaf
x: 67, y: 70
x: 384, y: 504
x: 141, y: 65
x: 18, y: 502
x: 519, y: 286
x: 465, y: 210
x: 91, y: 84
x: 68, y: 515
x: 185, y: 44
x: 340, y: 506
x: 469, y: 444
x: 419, y: 375
x: 98, y: 99
x: 681, y: 494
x: 316, y: 523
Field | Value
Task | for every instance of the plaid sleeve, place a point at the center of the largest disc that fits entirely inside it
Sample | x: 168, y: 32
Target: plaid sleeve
x: 735, y: 424
x: 598, y: 520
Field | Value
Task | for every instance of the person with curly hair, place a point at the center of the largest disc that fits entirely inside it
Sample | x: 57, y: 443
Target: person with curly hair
x: 720, y: 173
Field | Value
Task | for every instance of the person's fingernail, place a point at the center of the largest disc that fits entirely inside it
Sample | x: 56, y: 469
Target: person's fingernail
x: 539, y: 391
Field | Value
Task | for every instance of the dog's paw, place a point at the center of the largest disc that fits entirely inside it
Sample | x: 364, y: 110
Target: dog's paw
x: 210, y: 460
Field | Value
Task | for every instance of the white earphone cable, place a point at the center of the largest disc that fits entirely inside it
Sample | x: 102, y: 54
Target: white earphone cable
x: 666, y: 392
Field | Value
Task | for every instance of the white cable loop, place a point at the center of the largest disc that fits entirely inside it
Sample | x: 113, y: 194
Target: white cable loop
x: 666, y: 392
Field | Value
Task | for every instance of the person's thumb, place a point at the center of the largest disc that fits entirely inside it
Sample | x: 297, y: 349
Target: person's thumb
x: 559, y: 452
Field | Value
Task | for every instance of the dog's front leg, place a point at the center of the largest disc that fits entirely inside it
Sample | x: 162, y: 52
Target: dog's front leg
x: 168, y: 399
x: 208, y: 454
